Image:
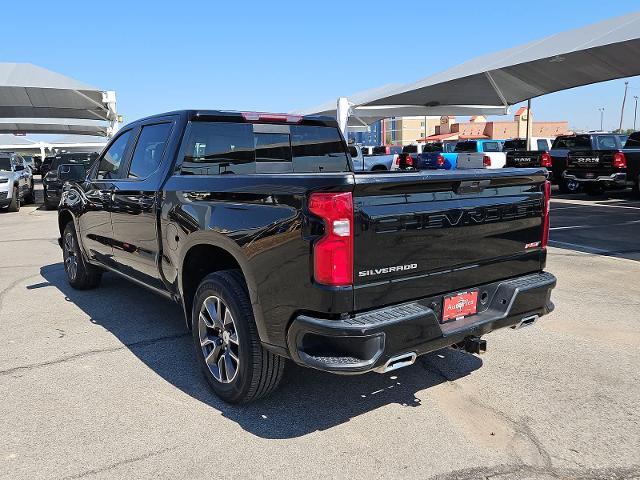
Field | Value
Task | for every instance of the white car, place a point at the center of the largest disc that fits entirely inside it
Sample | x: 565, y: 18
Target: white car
x: 16, y: 182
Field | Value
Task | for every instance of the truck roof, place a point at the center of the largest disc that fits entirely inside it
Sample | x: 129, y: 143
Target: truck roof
x: 245, y: 116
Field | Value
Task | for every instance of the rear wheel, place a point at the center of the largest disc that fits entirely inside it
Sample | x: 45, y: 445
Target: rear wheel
x: 80, y: 274
x: 226, y: 341
x: 14, y: 206
x: 569, y: 186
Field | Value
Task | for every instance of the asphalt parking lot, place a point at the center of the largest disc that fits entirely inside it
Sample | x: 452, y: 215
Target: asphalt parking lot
x: 103, y: 383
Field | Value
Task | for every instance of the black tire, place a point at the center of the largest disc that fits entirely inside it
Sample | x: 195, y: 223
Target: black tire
x: 80, y: 274
x: 31, y: 196
x: 257, y: 372
x: 567, y: 186
x: 14, y: 206
x: 48, y: 205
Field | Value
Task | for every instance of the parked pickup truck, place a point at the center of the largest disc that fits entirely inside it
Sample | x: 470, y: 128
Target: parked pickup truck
x: 256, y: 224
x: 600, y: 166
x: 577, y: 146
x: 372, y: 163
x: 469, y: 154
x: 383, y: 157
x: 432, y: 156
x: 517, y: 155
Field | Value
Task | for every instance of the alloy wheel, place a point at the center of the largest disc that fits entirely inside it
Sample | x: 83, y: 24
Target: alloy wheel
x: 219, y: 339
x: 70, y: 258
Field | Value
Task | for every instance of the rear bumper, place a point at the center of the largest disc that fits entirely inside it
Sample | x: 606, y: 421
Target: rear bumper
x: 367, y: 341
x: 617, y: 179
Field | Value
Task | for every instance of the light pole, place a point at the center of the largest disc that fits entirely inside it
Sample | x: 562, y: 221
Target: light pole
x: 601, y: 117
x: 635, y: 112
x: 624, y: 100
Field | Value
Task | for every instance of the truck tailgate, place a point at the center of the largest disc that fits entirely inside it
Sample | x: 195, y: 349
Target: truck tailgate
x: 427, y: 233
x: 470, y: 160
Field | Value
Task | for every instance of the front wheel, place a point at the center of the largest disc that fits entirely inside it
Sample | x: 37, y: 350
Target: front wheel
x: 80, y: 274
x: 14, y: 206
x: 236, y: 365
x: 31, y: 196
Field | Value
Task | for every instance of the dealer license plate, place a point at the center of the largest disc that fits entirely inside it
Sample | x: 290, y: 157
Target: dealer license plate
x: 460, y: 305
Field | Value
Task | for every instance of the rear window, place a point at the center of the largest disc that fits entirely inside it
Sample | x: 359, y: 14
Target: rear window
x: 519, y: 144
x: 466, y: 147
x: 214, y: 148
x: 573, y: 142
x: 491, y: 147
x: 432, y: 147
x: 410, y: 149
x: 605, y: 142
x: 5, y: 163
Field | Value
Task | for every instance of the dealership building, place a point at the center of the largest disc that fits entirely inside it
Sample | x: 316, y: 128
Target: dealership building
x: 408, y: 130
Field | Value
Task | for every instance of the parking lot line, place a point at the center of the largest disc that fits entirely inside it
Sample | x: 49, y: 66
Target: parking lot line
x: 579, y: 203
x: 569, y: 227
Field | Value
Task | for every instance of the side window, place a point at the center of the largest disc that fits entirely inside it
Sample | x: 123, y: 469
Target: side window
x: 213, y: 148
x: 112, y: 158
x: 542, y: 145
x: 149, y: 148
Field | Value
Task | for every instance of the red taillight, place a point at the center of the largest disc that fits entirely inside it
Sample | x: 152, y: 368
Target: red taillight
x: 271, y: 117
x: 619, y: 160
x: 408, y: 161
x: 333, y: 253
x: 545, y: 213
x: 440, y: 161
x: 396, y: 161
x: 486, y: 161
x: 545, y: 160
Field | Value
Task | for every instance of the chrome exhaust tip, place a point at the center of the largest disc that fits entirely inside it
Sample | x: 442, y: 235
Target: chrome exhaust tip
x: 526, y: 321
x: 399, y: 361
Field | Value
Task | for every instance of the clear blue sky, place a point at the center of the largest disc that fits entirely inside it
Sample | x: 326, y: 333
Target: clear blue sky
x: 278, y: 56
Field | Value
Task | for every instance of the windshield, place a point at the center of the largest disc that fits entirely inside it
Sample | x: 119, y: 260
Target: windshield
x: 5, y: 164
x: 84, y: 158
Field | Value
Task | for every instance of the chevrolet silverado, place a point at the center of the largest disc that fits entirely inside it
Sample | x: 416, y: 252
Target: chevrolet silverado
x: 276, y: 250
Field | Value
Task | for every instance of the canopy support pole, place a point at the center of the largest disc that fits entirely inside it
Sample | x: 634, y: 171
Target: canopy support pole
x: 343, y: 110
x: 528, y: 144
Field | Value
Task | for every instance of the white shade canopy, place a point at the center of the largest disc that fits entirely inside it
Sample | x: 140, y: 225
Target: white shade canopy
x: 47, y: 125
x: 490, y: 84
x: 29, y: 91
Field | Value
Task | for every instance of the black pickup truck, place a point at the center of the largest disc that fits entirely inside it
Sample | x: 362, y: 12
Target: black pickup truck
x: 585, y: 160
x: 517, y: 155
x: 610, y: 164
x: 256, y: 224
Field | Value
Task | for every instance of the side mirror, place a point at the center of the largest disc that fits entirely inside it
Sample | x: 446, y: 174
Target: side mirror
x: 72, y: 172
